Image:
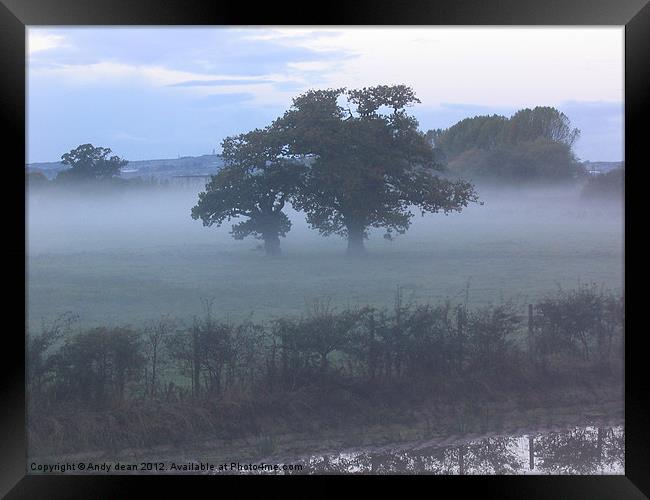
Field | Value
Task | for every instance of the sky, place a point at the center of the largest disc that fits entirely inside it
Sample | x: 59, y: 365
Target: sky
x: 164, y: 92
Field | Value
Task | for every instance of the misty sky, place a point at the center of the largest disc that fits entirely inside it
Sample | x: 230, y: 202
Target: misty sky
x: 162, y: 92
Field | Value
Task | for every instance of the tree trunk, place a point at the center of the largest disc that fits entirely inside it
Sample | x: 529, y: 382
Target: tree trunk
x: 355, y: 241
x: 272, y: 245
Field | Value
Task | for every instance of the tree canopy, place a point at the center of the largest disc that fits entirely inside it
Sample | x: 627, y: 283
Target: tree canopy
x: 370, y: 166
x: 533, y: 145
x: 479, y: 132
x: 256, y: 182
x: 541, y: 122
x: 88, y: 162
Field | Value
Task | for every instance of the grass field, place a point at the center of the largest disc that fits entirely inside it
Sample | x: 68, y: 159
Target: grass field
x: 131, y: 258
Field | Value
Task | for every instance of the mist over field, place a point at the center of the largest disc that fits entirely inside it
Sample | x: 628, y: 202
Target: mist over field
x: 131, y: 256
x: 484, y: 337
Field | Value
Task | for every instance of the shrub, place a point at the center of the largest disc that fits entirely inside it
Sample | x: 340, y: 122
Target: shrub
x: 94, y: 366
x: 490, y: 332
x: 578, y: 322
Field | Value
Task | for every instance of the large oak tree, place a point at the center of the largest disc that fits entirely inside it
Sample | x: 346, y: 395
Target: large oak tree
x: 370, y: 166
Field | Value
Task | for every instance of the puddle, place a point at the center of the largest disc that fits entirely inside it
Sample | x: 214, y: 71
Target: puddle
x: 581, y: 450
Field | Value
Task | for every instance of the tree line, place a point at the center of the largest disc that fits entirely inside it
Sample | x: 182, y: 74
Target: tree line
x: 531, y: 146
x: 354, y: 159
x: 364, y: 348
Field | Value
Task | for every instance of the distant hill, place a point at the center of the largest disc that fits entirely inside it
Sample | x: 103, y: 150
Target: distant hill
x: 210, y: 164
x: 159, y: 169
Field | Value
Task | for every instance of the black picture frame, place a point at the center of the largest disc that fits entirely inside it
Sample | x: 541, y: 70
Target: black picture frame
x: 15, y: 15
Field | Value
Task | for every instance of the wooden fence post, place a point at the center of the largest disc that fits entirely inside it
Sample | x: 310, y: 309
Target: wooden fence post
x: 599, y: 445
x: 460, y: 319
x: 530, y: 331
x: 196, y: 365
x: 461, y: 460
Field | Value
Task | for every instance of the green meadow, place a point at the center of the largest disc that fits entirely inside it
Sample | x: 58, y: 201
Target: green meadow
x: 130, y: 258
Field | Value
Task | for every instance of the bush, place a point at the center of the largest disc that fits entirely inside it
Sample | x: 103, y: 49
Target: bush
x: 577, y: 323
x: 95, y: 366
x: 422, y: 346
x: 490, y: 332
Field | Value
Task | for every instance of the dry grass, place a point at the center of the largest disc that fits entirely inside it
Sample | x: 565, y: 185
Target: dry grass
x: 310, y: 410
